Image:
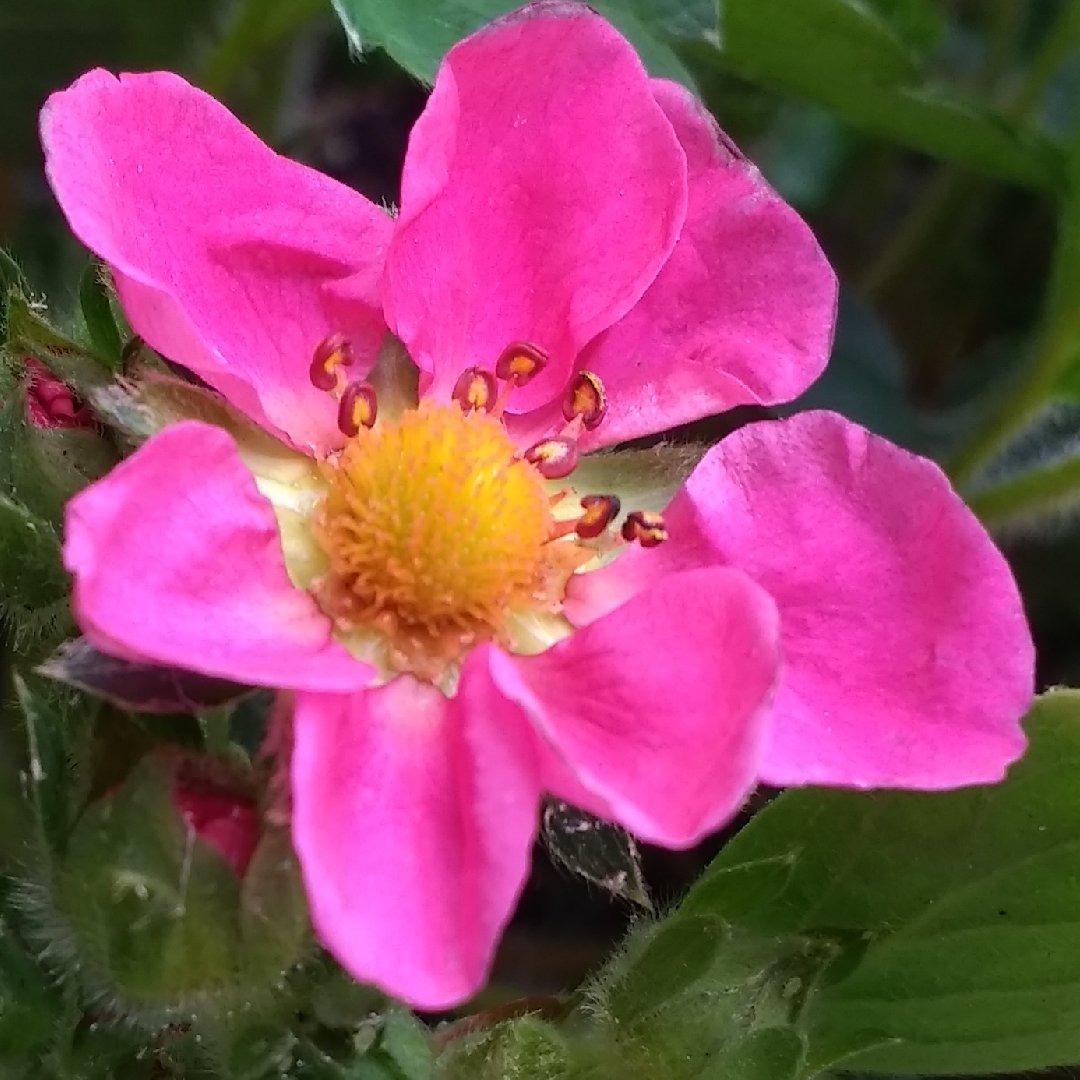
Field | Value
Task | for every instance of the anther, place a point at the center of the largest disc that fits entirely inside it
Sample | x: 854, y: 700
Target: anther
x: 520, y: 363
x: 357, y: 408
x: 646, y: 527
x: 553, y: 458
x: 475, y: 389
x: 330, y: 354
x: 599, y: 512
x: 585, y: 398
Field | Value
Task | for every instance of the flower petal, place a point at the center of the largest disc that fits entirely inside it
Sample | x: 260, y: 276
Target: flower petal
x: 658, y: 709
x: 743, y: 311
x: 228, y: 258
x: 543, y: 190
x: 413, y: 818
x: 177, y: 560
x: 907, y: 658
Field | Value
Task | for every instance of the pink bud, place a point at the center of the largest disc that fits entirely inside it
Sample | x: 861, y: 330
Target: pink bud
x: 226, y: 821
x: 50, y: 403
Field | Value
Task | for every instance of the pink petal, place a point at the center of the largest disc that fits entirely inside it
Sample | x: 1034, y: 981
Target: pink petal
x: 177, y: 560
x: 228, y: 259
x: 659, y: 708
x: 542, y: 192
x: 742, y: 312
x: 413, y: 818
x: 907, y: 658
x: 228, y: 823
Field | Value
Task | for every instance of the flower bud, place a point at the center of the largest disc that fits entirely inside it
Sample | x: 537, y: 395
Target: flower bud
x: 226, y: 821
x: 50, y: 403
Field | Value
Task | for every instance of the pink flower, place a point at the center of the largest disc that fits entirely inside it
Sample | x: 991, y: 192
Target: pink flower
x: 417, y: 583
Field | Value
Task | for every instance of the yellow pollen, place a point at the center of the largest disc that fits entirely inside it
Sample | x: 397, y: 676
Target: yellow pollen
x: 435, y: 533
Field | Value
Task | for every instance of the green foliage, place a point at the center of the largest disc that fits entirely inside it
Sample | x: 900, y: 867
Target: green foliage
x: 956, y: 911
x: 417, y: 35
x: 40, y: 468
x: 846, y: 56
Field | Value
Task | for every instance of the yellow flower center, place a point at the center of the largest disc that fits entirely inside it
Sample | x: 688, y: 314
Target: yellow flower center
x: 436, y: 533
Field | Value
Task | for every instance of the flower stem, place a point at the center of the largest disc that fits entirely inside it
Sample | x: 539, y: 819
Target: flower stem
x: 1040, y: 492
x: 953, y: 190
x: 1056, y: 46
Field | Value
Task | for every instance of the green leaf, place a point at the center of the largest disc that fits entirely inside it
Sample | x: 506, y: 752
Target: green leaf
x: 846, y: 56
x: 32, y: 576
x: 418, y: 33
x: 405, y: 1042
x: 964, y: 903
x: 136, y: 686
x: 273, y: 906
x: 50, y: 718
x: 696, y: 995
x: 96, y: 303
x: 11, y: 280
x: 525, y: 1047
x: 678, y: 955
x: 920, y: 23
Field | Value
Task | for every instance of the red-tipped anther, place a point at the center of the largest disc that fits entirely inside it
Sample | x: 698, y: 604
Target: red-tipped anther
x: 475, y: 389
x: 646, y: 527
x: 357, y: 408
x: 599, y: 512
x: 585, y: 397
x: 553, y: 458
x: 330, y: 354
x: 521, y: 362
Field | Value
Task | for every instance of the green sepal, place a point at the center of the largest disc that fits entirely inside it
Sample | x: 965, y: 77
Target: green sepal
x: 152, y: 923
x: 39, y: 470
x: 68, y: 360
x: 134, y: 685
x: 12, y: 280
x: 33, y: 585
x: 43, y: 467
x: 96, y: 302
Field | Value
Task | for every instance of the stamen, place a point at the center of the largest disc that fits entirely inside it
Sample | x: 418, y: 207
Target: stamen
x: 475, y: 389
x: 521, y: 362
x: 585, y: 398
x: 331, y: 354
x: 553, y: 458
x: 357, y: 408
x: 646, y: 527
x: 599, y: 512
